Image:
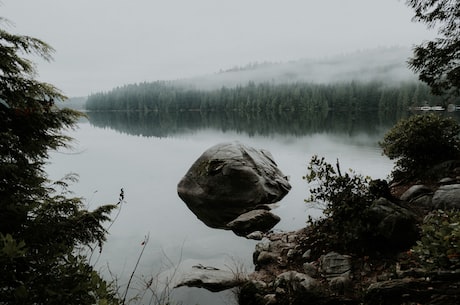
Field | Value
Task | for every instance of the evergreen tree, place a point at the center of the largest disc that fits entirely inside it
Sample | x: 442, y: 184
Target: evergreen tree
x: 41, y: 229
x: 438, y: 61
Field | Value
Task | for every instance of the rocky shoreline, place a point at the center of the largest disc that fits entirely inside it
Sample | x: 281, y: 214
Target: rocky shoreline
x: 287, y: 271
x: 369, y: 261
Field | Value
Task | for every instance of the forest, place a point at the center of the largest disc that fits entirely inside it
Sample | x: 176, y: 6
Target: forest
x: 256, y: 97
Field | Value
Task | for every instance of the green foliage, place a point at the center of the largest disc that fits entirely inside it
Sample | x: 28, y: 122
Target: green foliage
x: 41, y: 228
x: 438, y: 61
x: 344, y: 198
x: 439, y: 246
x: 419, y: 142
x: 263, y: 97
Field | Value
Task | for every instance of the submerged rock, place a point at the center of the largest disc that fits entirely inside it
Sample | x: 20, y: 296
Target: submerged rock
x: 231, y: 179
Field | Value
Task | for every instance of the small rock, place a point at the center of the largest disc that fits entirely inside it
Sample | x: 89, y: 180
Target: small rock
x: 291, y: 238
x: 447, y: 180
x: 266, y: 257
x: 334, y: 264
x: 307, y: 254
x: 291, y: 253
x: 263, y: 246
x: 296, y: 281
x: 270, y: 299
x: 257, y: 235
x: 255, y: 220
x: 259, y: 285
x: 310, y: 269
x: 340, y: 285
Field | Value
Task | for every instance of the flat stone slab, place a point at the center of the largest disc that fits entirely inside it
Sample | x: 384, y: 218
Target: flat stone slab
x: 210, y: 278
x: 255, y: 220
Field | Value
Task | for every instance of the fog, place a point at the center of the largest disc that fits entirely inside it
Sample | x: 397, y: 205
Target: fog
x: 107, y: 43
x: 387, y: 65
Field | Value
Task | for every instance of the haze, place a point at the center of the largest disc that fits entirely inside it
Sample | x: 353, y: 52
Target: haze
x: 101, y: 44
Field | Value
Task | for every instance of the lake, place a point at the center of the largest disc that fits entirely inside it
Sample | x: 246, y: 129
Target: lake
x: 147, y: 155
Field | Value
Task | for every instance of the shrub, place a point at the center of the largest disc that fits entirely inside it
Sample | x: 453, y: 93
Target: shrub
x: 342, y: 196
x: 439, y: 246
x: 344, y: 199
x: 420, y: 142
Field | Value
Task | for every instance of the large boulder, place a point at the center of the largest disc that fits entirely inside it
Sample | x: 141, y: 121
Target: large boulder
x: 230, y: 179
x: 393, y: 227
x: 447, y: 197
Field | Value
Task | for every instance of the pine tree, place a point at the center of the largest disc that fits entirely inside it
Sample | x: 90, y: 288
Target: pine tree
x: 41, y: 228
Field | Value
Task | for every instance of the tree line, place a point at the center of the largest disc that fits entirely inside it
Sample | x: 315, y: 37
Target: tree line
x: 166, y: 96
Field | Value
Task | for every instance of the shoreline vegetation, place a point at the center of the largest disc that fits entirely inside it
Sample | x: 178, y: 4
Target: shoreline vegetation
x: 266, y: 97
x: 378, y: 242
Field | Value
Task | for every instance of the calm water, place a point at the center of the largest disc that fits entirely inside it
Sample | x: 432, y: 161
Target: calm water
x: 148, y: 155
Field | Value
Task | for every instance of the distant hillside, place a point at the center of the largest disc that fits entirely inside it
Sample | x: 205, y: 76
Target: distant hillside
x: 372, y: 79
x: 77, y: 103
x: 387, y: 65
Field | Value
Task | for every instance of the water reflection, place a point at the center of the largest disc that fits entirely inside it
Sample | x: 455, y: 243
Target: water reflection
x: 148, y: 153
x: 164, y: 124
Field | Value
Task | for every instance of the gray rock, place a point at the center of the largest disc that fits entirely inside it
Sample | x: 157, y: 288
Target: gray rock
x: 255, y: 220
x: 210, y: 278
x: 424, y: 201
x: 447, y: 197
x: 393, y: 227
x: 415, y: 191
x: 310, y: 269
x: 307, y: 254
x: 257, y: 235
x: 340, y: 285
x: 263, y: 246
x: 259, y: 285
x: 297, y: 282
x: 230, y: 179
x: 265, y: 257
x: 415, y: 290
x: 447, y: 180
x: 291, y: 253
x: 270, y: 299
x: 334, y: 264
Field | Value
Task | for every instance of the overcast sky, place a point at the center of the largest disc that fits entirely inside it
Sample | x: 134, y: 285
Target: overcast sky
x: 101, y: 44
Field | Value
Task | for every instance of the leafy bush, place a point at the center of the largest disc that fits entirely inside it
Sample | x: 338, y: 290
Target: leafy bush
x: 439, y: 246
x: 344, y: 198
x: 419, y: 142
